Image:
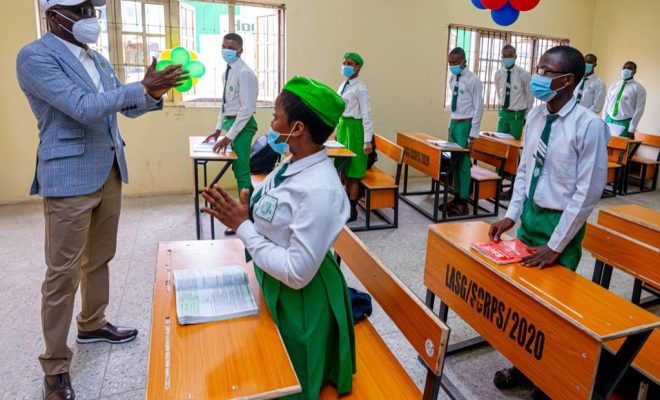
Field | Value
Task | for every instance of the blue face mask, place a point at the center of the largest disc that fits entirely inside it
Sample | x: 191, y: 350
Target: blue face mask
x: 588, y: 68
x: 540, y: 87
x: 229, y: 55
x: 455, y: 69
x: 626, y: 73
x: 347, y: 70
x: 281, y: 147
x: 508, y: 62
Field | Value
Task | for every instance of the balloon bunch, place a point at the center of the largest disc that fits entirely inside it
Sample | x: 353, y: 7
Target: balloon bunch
x: 188, y: 59
x: 505, y: 12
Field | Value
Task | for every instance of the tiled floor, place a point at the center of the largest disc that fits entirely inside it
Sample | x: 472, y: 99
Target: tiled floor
x: 103, y: 371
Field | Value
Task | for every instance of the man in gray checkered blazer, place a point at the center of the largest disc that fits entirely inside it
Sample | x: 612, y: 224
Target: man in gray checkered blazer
x: 80, y: 166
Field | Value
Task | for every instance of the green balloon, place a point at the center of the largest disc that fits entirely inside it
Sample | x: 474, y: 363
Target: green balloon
x: 180, y: 56
x: 185, y: 85
x: 162, y: 64
x: 196, y: 68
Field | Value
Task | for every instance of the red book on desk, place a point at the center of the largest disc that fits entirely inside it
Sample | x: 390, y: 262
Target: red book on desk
x: 503, y: 252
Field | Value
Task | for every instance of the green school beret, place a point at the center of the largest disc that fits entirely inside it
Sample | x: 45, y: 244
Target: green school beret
x: 321, y: 98
x: 355, y: 57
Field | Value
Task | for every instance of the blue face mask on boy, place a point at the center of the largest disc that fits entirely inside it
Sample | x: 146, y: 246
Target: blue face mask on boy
x: 455, y: 69
x: 229, y: 55
x: 588, y: 68
x: 541, y: 87
x: 347, y: 70
x: 508, y: 62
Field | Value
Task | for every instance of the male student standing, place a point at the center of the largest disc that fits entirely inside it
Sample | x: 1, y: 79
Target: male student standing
x: 590, y: 93
x: 625, y: 103
x: 561, y: 175
x: 514, y: 97
x: 239, y: 103
x: 513, y: 94
x: 467, y: 108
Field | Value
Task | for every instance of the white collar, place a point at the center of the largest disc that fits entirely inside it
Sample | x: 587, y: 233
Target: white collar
x: 568, y: 107
x: 77, y: 51
x: 353, y: 81
x: 304, y: 163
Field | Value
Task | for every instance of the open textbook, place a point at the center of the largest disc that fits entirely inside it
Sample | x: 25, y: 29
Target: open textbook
x: 499, y: 135
x: 212, y: 294
x: 444, y: 144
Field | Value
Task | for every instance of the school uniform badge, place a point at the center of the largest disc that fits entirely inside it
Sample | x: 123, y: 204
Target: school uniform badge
x: 266, y: 208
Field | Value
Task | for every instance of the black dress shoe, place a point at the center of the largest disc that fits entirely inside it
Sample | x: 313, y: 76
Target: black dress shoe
x: 459, y: 210
x: 229, y: 232
x: 506, y: 196
x: 58, y: 387
x: 108, y: 333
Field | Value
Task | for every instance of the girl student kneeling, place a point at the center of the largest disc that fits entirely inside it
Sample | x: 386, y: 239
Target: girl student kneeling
x: 288, y: 227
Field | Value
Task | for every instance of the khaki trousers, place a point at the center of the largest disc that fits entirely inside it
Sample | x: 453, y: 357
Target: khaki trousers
x: 81, y: 239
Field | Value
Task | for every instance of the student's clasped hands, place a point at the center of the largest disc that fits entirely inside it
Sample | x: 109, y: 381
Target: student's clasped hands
x: 224, y: 208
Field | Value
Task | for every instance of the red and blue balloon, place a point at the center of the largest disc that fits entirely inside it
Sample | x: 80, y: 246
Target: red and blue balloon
x: 505, y: 12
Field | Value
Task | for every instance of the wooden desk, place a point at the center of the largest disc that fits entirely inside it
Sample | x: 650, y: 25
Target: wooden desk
x: 242, y: 358
x: 551, y: 323
x: 201, y: 159
x: 637, y: 222
x: 642, y: 225
x: 426, y: 158
x: 515, y: 151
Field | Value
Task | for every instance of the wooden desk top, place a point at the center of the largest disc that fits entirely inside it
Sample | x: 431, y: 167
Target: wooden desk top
x: 593, y: 309
x: 637, y: 214
x: 510, y: 142
x: 210, y: 156
x: 423, y: 137
x: 339, y: 152
x: 242, y: 358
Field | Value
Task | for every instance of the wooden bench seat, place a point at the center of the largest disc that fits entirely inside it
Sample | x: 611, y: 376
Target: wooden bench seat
x: 376, y: 178
x: 379, y: 374
x: 381, y: 190
x: 482, y: 174
x: 375, y: 361
x: 642, y: 160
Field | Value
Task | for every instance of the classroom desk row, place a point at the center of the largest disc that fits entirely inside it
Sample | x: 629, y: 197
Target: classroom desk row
x: 546, y: 322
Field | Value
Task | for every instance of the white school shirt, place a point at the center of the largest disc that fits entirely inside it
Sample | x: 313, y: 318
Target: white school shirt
x: 593, y: 93
x: 521, y: 97
x: 358, y: 105
x: 470, y: 102
x: 87, y: 62
x: 240, y: 97
x: 632, y: 102
x: 296, y: 223
x: 574, y: 172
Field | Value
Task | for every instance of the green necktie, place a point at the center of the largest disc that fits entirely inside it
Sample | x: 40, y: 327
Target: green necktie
x: 539, y: 156
x: 507, y: 96
x: 579, y: 96
x: 618, y: 99
x: 454, y: 97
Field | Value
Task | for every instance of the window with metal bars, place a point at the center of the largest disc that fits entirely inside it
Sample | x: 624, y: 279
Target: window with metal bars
x: 483, y: 49
x: 135, y: 30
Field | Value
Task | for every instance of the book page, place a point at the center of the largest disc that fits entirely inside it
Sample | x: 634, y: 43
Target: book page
x: 333, y: 144
x: 208, y: 278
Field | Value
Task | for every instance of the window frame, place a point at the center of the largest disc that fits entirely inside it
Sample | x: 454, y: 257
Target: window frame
x: 172, y: 38
x: 475, y: 60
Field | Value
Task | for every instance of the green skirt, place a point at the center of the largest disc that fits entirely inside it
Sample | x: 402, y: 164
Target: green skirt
x: 624, y: 122
x: 316, y: 325
x: 350, y: 133
x: 537, y: 226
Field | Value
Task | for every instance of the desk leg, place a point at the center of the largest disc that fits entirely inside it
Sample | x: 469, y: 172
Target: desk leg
x: 197, y: 216
x: 342, y: 164
x: 216, y: 180
x: 598, y: 272
x: 405, y: 179
x: 612, y: 368
x: 637, y: 292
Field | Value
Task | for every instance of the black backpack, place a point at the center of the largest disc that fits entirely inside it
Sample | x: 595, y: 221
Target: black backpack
x: 262, y: 157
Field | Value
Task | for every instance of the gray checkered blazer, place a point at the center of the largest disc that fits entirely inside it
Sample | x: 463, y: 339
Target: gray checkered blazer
x: 78, y: 135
